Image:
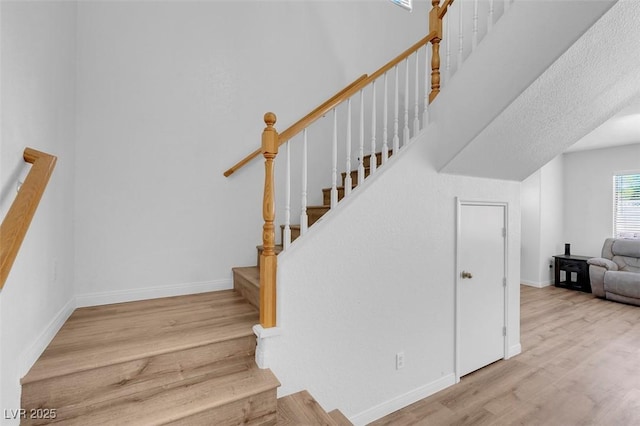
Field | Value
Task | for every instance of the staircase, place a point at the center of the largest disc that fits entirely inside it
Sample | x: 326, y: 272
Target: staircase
x: 185, y: 360
x: 246, y: 279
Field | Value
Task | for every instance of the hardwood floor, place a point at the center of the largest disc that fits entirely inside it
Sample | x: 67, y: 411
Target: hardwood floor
x: 580, y: 365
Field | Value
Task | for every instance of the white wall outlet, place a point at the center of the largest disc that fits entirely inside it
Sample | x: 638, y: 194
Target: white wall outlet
x: 399, y: 360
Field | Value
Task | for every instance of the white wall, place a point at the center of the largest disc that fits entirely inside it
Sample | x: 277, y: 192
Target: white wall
x: 530, y: 222
x: 588, y: 187
x: 171, y: 94
x: 569, y: 200
x: 551, y: 217
x: 542, y: 204
x: 38, y: 110
x: 376, y: 277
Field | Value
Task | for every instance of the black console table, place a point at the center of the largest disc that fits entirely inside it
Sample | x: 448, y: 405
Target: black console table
x: 576, y: 272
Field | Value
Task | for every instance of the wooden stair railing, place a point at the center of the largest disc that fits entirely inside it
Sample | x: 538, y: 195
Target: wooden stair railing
x: 272, y: 140
x: 297, y: 126
x: 16, y: 223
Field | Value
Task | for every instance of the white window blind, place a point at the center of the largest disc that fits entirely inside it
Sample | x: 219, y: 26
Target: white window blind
x: 626, y: 205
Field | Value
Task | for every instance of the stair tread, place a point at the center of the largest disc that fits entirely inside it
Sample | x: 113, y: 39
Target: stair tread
x: 165, y: 404
x: 302, y: 409
x: 367, y: 158
x: 250, y: 273
x: 324, y: 207
x: 110, y: 334
x: 97, y: 387
x: 339, y: 418
x: 291, y: 226
x: 340, y: 188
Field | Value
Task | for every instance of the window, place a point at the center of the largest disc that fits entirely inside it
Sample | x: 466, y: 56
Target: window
x: 626, y: 205
x: 403, y: 3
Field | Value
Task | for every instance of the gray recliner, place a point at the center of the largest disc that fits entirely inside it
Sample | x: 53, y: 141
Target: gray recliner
x: 616, y: 275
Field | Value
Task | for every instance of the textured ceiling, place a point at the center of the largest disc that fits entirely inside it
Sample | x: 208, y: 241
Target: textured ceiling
x: 593, y: 80
x: 621, y: 129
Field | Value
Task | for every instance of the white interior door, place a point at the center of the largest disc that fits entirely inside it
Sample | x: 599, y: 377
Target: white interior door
x: 481, y: 285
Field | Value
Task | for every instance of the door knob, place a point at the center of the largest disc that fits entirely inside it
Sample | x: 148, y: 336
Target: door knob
x: 466, y: 274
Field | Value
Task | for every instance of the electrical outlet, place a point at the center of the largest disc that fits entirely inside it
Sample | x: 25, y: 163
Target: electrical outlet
x: 399, y: 360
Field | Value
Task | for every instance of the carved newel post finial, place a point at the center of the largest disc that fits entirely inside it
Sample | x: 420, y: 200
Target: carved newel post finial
x: 270, y: 119
x: 270, y: 135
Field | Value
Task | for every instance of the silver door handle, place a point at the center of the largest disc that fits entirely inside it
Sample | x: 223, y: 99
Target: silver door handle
x: 466, y: 274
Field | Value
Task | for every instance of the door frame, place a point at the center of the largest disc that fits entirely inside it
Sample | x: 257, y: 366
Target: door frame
x: 459, y: 204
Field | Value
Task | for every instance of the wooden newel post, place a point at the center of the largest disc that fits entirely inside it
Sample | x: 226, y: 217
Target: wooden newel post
x: 435, y: 24
x: 268, y: 259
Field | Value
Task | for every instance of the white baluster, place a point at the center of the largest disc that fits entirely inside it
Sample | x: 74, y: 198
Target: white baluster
x: 385, y: 135
x: 447, y: 66
x: 373, y: 161
x: 396, y: 139
x: 304, y: 219
x: 490, y: 17
x: 460, y: 36
x: 474, y: 35
x: 347, y: 180
x: 334, y: 161
x: 405, y: 132
x: 427, y: 84
x: 361, y: 145
x: 287, y: 201
x: 416, y: 119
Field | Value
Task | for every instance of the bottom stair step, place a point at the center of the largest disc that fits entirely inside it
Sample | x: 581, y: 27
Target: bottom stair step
x: 248, y: 396
x: 301, y: 409
x: 339, y: 418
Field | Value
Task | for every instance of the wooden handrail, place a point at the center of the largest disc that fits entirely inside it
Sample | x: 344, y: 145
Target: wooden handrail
x: 240, y: 164
x: 349, y: 91
x: 334, y: 101
x: 16, y: 223
x: 401, y: 57
x: 297, y: 124
x: 444, y: 8
x: 314, y: 115
x: 353, y: 89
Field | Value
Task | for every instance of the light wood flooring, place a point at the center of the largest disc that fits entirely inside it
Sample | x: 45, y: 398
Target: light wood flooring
x: 580, y: 365
x: 184, y: 360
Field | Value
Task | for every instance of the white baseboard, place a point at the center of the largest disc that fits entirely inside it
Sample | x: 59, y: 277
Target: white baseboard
x: 119, y: 296
x: 31, y: 355
x: 540, y: 284
x: 515, y: 350
x: 402, y: 401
